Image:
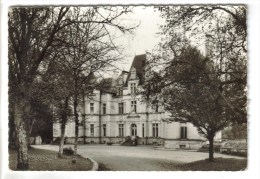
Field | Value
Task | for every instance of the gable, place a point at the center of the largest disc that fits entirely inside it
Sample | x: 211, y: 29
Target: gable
x: 139, y: 66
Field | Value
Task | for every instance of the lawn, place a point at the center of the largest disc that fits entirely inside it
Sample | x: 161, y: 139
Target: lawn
x: 42, y: 160
x: 219, y: 164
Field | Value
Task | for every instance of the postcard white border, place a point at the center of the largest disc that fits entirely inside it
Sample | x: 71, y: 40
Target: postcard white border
x: 253, y: 96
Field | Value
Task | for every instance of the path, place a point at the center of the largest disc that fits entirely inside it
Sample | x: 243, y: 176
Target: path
x: 140, y: 158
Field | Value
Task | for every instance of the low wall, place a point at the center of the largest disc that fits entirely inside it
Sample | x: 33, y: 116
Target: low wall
x: 95, y: 140
x: 104, y: 140
x: 151, y: 141
x: 114, y: 140
x: 183, y: 144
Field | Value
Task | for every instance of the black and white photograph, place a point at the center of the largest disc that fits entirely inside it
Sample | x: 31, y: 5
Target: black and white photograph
x: 141, y: 87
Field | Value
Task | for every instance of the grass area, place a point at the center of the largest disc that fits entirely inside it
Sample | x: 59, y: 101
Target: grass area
x: 219, y: 164
x: 42, y: 160
x: 102, y: 167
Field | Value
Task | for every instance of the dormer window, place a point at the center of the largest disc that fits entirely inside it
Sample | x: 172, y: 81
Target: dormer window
x: 120, y: 91
x: 133, y: 88
x: 120, y: 81
x: 133, y: 73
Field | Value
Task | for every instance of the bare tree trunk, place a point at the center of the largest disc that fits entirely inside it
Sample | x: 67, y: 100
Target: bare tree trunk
x: 99, y: 117
x: 31, y: 126
x: 21, y: 135
x: 211, y: 148
x: 75, y: 105
x: 84, y: 120
x: 76, y: 125
x: 11, y: 133
x: 64, y: 119
x: 60, y: 154
x: 147, y: 114
x: 146, y: 126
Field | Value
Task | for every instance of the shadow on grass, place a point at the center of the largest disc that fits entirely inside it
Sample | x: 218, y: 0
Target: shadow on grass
x: 45, y: 160
x: 102, y: 167
x: 219, y: 164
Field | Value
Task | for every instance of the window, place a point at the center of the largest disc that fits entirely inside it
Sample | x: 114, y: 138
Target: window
x: 133, y: 106
x: 120, y: 91
x: 155, y: 129
x: 104, y: 130
x: 133, y: 130
x: 133, y: 88
x: 91, y: 129
x: 182, y: 146
x: 143, y: 130
x: 121, y: 108
x: 121, y: 130
x: 120, y: 81
x: 104, y: 108
x: 133, y: 73
x: 183, y: 132
x: 91, y: 107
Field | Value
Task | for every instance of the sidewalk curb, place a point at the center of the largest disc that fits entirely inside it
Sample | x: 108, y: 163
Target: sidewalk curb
x: 95, y: 164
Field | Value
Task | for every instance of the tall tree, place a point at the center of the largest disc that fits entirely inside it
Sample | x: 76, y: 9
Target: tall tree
x: 89, y: 49
x: 210, y: 91
x: 223, y: 30
x: 201, y: 19
x: 34, y: 33
x: 31, y: 34
x: 55, y: 90
x: 187, y: 93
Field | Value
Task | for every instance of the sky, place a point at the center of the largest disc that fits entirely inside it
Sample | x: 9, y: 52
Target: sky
x: 145, y: 38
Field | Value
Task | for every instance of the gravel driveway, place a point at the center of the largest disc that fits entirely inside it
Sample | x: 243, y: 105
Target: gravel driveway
x: 140, y: 158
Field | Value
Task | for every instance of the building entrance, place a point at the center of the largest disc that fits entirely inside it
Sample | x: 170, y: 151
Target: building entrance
x: 133, y: 130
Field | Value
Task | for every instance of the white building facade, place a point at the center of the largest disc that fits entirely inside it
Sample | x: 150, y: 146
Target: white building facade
x: 112, y: 115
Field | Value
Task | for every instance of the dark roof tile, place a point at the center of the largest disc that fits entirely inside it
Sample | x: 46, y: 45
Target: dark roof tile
x: 139, y: 64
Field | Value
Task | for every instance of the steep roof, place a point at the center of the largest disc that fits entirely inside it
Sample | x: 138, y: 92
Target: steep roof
x: 139, y: 65
x: 121, y: 77
x: 106, y: 85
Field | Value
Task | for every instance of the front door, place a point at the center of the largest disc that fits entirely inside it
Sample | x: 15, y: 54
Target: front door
x: 133, y: 130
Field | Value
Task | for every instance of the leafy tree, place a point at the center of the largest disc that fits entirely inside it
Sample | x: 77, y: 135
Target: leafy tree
x: 209, y: 92
x: 188, y: 94
x: 41, y: 120
x: 202, y: 19
x: 31, y: 34
x: 54, y: 89
x: 223, y: 30
x: 235, y: 131
x: 34, y: 34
